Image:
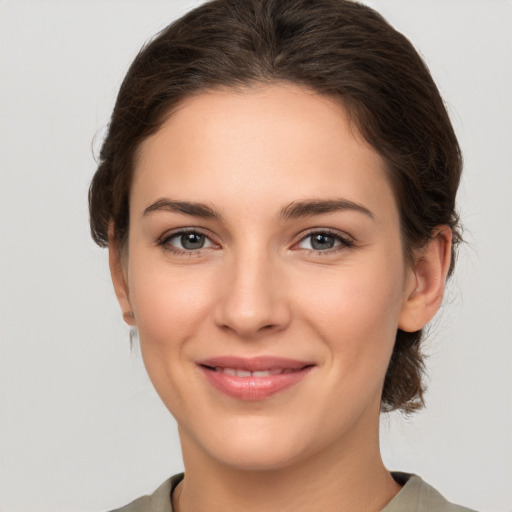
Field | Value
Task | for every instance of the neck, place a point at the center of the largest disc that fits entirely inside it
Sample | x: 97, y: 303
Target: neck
x: 336, y: 479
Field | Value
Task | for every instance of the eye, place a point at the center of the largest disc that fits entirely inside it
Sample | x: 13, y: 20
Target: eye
x: 323, y: 241
x: 187, y: 241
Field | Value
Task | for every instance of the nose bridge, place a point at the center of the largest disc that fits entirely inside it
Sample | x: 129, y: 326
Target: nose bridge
x: 252, y: 301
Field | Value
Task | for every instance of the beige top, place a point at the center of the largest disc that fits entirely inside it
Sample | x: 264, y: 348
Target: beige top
x: 415, y: 496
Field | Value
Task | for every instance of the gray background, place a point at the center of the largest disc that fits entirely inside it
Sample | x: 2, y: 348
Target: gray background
x: 81, y: 428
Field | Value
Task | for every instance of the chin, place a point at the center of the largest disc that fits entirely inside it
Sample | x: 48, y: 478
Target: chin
x: 255, y: 457
x: 259, y: 444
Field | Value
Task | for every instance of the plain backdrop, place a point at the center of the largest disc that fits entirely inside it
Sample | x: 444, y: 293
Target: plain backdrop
x: 81, y: 428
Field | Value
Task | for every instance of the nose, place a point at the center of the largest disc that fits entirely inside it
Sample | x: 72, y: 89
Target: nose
x: 252, y: 298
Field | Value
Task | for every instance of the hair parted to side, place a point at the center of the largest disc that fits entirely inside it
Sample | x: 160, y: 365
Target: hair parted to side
x: 338, y: 48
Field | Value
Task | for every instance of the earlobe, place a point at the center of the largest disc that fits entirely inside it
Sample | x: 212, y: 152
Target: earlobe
x: 119, y: 280
x: 425, y: 293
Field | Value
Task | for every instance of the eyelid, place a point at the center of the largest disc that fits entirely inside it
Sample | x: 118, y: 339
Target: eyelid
x: 163, y: 240
x: 346, y: 240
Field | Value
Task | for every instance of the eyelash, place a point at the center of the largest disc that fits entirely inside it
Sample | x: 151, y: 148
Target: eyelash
x: 345, y: 242
x: 164, y: 241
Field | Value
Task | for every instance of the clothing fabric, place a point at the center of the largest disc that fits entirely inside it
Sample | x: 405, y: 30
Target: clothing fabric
x: 415, y: 496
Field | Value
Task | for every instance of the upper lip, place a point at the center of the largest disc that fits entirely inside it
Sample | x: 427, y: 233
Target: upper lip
x: 254, y: 364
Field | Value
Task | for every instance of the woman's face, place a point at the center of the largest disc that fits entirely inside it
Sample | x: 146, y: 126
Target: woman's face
x: 266, y: 275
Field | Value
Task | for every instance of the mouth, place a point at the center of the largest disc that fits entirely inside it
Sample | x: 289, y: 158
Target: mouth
x: 253, y: 378
x: 257, y: 373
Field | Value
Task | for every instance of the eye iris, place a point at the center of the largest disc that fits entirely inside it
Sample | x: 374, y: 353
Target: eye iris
x: 192, y: 241
x: 321, y: 241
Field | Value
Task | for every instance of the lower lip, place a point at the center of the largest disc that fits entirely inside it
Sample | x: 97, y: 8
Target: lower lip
x: 253, y: 388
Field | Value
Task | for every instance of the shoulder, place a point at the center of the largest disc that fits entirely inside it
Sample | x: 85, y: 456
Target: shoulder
x: 159, y: 501
x: 417, y: 495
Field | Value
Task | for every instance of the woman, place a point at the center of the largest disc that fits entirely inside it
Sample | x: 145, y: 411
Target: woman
x: 277, y: 192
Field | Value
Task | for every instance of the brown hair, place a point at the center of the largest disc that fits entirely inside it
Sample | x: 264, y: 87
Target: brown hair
x: 338, y: 48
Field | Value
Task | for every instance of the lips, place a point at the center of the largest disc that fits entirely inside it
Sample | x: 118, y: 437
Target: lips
x: 258, y: 373
x: 253, y: 378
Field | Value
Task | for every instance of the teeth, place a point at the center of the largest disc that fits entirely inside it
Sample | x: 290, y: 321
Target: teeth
x: 264, y: 373
x: 259, y: 373
x: 227, y: 371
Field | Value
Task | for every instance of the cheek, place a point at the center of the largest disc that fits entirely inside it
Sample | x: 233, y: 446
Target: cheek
x: 355, y: 313
x: 170, y: 306
x: 168, y: 302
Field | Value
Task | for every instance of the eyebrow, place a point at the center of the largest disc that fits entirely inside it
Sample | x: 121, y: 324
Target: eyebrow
x: 294, y: 210
x: 186, y: 207
x: 310, y: 207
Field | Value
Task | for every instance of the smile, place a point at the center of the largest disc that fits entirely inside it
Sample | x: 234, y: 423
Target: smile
x: 257, y: 373
x: 254, y: 378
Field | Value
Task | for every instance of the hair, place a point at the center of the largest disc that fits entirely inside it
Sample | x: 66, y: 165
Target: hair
x: 338, y: 48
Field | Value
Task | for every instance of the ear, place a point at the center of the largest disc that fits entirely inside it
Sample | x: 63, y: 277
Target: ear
x: 119, y: 279
x: 427, y: 281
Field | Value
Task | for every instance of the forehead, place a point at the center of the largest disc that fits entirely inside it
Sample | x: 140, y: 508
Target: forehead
x: 280, y: 142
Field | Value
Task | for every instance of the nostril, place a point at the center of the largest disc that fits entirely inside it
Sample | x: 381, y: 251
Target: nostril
x: 251, y: 314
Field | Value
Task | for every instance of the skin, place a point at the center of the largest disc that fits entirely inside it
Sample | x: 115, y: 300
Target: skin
x: 259, y: 287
